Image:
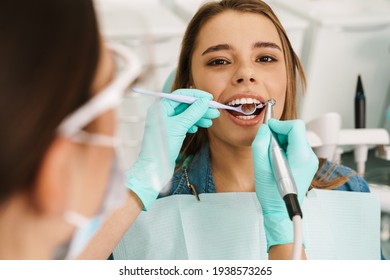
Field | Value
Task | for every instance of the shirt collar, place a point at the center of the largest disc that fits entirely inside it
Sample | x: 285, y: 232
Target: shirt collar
x: 200, y: 173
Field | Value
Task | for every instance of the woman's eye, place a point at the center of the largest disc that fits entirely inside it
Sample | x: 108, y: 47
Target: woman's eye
x: 265, y: 59
x: 217, y: 62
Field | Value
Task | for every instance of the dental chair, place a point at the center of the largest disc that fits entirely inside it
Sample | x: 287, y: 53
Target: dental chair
x: 167, y: 87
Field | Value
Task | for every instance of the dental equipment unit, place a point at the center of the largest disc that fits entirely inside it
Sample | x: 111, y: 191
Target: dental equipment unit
x: 246, y: 109
x: 285, y: 182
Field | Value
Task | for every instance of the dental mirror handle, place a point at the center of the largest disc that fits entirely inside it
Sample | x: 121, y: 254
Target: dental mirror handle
x: 180, y: 98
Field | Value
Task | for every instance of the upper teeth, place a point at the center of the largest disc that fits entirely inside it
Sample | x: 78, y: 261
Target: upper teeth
x: 239, y: 101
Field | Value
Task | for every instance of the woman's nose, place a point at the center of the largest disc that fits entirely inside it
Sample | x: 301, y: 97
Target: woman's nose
x: 250, y: 79
x: 244, y: 75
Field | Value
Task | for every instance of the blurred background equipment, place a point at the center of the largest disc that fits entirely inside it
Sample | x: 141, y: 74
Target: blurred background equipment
x: 345, y: 38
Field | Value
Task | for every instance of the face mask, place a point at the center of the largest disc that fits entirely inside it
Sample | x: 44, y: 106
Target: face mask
x: 83, y: 234
x: 71, y: 127
x: 87, y: 227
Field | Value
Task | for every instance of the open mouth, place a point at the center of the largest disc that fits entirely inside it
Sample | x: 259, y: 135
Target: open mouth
x: 248, y: 105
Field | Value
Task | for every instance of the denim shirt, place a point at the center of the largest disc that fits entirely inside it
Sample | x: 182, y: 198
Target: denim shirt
x: 200, y: 175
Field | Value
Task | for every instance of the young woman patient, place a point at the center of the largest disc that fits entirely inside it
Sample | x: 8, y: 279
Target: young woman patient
x: 238, y: 51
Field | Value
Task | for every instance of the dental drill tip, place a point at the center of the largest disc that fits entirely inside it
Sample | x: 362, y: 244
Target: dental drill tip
x: 269, y: 112
x: 271, y: 101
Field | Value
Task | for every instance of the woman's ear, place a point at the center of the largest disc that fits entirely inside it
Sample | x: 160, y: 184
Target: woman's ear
x: 51, y: 186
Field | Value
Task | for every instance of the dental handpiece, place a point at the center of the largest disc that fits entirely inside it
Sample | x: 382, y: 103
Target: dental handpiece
x: 281, y: 169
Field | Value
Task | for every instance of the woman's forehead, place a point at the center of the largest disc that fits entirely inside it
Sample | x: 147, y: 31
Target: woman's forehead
x: 237, y: 29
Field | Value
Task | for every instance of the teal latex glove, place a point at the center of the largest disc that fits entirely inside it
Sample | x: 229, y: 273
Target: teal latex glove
x: 153, y: 169
x: 303, y: 163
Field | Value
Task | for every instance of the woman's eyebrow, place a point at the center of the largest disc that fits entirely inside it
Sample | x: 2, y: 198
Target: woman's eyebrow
x: 216, y: 48
x: 266, y: 45
x: 220, y: 47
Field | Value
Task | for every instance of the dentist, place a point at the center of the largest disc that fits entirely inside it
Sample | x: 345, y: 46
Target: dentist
x: 59, y: 88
